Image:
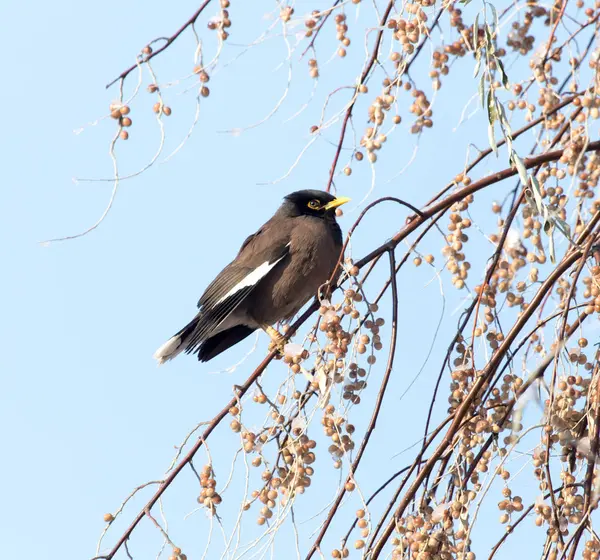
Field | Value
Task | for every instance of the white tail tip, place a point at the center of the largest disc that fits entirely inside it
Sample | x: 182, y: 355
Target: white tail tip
x: 168, y: 350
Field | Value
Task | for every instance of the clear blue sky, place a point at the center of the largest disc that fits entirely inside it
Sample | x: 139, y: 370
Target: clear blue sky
x: 86, y: 414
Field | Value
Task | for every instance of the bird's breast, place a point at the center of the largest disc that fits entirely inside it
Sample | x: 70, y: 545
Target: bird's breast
x: 313, y: 253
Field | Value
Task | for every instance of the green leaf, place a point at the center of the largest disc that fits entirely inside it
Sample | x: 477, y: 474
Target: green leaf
x: 488, y: 40
x: 508, y: 139
x: 530, y: 201
x: 476, y: 31
x: 502, y: 73
x: 503, y: 119
x: 560, y: 224
x: 492, y: 139
x: 537, y: 194
x: 549, y: 229
x: 545, y: 213
x: 506, y: 128
x: 495, y: 16
x: 520, y: 168
x: 563, y: 227
x: 478, y: 62
x: 491, y: 105
x: 482, y: 90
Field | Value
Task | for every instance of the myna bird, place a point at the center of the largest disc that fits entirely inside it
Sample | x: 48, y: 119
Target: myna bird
x: 277, y: 270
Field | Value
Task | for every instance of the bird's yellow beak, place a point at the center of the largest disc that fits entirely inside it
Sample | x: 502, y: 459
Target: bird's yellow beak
x: 336, y: 202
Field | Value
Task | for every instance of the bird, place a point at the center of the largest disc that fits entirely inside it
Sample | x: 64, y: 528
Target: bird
x: 276, y: 271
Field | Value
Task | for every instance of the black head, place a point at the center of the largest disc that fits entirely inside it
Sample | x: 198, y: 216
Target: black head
x: 312, y: 203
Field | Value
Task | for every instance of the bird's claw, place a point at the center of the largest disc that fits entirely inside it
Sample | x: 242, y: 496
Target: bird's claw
x: 278, y: 341
x: 278, y: 347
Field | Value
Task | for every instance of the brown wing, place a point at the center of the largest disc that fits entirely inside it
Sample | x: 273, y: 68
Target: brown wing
x: 259, y: 256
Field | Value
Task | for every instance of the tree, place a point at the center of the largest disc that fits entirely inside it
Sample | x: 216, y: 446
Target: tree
x: 528, y: 267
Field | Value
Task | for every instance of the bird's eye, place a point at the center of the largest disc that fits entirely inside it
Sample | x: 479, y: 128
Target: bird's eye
x: 314, y: 204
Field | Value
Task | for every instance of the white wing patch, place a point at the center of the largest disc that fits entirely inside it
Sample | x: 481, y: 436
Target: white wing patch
x: 253, y: 278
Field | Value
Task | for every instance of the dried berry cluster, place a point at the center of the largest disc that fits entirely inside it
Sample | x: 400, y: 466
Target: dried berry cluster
x: 334, y: 427
x: 209, y: 497
x: 290, y: 473
x: 432, y: 535
x: 222, y: 22
x: 120, y: 113
x: 456, y: 238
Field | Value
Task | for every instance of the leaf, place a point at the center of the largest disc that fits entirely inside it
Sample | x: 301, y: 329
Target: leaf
x: 488, y: 40
x: 476, y: 31
x: 563, y: 227
x: 505, y: 125
x: 537, y: 194
x: 508, y: 139
x: 520, y: 167
x: 482, y: 90
x: 491, y: 103
x: 467, y: 41
x: 477, y: 63
x: 495, y: 16
x: 492, y: 139
x: 324, y: 383
x: 530, y: 201
x: 504, y: 120
x: 502, y: 73
x: 549, y: 229
x: 545, y: 213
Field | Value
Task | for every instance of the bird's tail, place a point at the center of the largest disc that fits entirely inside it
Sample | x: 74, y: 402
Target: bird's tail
x: 177, y: 343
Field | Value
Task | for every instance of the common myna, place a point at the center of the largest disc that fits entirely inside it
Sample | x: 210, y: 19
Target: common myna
x: 277, y: 270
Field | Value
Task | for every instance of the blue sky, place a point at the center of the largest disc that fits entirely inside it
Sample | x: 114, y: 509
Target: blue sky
x: 87, y: 415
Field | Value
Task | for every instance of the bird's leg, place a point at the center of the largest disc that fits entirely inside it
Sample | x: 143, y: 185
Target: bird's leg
x: 277, y: 338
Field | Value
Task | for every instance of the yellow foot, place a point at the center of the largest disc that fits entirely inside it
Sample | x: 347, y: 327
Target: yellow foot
x: 278, y: 341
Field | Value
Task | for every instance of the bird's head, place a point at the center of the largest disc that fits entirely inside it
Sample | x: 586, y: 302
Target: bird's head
x: 312, y: 203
